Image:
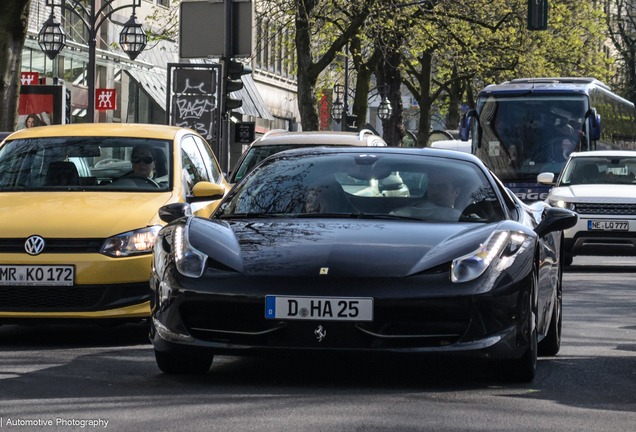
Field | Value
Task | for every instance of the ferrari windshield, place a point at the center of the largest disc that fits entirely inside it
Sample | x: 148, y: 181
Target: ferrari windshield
x: 599, y: 170
x: 520, y: 137
x: 86, y: 164
x: 366, y: 185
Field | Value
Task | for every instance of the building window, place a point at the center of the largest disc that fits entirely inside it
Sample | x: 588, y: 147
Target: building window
x: 165, y: 3
x: 259, y: 42
x: 265, y: 39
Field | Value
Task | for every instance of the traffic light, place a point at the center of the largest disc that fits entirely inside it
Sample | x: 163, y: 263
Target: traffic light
x: 537, y: 14
x: 233, y: 71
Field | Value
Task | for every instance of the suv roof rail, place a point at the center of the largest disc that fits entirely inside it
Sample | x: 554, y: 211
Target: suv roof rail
x: 273, y: 132
x: 561, y: 80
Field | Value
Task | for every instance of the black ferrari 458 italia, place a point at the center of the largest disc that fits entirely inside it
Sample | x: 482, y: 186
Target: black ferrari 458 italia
x: 361, y: 250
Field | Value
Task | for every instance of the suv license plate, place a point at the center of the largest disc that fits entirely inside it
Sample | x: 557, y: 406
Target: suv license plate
x: 319, y: 308
x: 600, y: 225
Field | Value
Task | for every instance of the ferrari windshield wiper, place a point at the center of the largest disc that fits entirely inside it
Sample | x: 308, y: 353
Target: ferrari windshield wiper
x: 383, y: 216
x: 252, y: 215
x: 325, y: 215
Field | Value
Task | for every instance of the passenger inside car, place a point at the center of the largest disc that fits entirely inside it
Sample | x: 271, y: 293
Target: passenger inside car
x: 327, y: 196
x: 439, y: 204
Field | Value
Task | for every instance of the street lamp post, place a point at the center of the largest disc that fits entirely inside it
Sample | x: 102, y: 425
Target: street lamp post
x: 337, y: 107
x: 385, y: 110
x: 52, y: 38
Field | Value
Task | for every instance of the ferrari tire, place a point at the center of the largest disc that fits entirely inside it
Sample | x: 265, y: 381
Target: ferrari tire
x: 184, y: 362
x: 551, y: 344
x: 524, y: 369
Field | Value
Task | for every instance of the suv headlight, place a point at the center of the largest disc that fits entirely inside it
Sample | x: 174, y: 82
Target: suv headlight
x: 561, y: 204
x: 474, y: 264
x: 136, y: 242
x: 190, y: 262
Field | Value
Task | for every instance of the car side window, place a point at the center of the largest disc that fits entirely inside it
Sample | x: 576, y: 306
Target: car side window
x: 214, y: 171
x: 193, y: 163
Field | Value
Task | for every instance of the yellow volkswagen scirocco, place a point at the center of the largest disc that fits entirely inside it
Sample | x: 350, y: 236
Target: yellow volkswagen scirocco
x: 79, y: 208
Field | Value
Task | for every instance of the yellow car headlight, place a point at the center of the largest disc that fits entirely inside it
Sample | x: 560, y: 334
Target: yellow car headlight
x: 136, y: 242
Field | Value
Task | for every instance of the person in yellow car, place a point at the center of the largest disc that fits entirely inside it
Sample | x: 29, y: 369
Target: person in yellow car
x: 76, y: 242
x: 143, y: 161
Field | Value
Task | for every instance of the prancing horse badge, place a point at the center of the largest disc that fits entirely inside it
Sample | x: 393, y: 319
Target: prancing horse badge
x: 320, y: 333
x: 324, y: 270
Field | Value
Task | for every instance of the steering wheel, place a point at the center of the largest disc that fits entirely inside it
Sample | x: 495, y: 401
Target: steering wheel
x: 140, y: 177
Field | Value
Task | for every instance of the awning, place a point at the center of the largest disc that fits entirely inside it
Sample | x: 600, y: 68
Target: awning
x: 253, y: 103
x: 153, y: 82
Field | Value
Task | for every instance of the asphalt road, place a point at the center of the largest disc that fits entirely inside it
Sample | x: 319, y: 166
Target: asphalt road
x: 60, y: 376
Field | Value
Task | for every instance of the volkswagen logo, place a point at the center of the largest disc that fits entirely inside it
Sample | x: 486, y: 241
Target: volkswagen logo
x: 34, y: 245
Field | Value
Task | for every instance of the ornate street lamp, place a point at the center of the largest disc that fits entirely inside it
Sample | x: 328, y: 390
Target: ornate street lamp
x: 52, y: 38
x: 133, y: 38
x: 385, y: 110
x: 337, y: 107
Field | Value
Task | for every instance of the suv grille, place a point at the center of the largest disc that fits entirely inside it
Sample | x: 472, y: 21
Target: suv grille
x: 606, y: 209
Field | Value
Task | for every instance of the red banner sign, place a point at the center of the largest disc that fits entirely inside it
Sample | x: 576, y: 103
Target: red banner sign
x: 105, y: 99
x: 29, y: 78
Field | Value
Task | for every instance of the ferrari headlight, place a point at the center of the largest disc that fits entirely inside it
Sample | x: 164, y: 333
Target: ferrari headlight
x: 474, y: 264
x: 190, y: 262
x: 136, y: 242
x: 562, y: 204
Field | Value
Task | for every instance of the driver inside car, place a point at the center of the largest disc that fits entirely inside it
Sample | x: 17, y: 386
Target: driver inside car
x: 143, y: 161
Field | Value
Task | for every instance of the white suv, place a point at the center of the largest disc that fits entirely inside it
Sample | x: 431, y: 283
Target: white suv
x: 279, y: 140
x: 601, y: 187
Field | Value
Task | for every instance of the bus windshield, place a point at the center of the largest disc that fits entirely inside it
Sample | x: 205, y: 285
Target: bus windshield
x: 519, y: 137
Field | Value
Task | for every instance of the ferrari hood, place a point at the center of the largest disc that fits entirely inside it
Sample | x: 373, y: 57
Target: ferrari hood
x: 77, y: 214
x: 334, y: 247
x: 596, y: 193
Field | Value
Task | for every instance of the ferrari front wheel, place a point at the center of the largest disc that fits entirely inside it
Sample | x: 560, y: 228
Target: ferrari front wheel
x: 525, y: 368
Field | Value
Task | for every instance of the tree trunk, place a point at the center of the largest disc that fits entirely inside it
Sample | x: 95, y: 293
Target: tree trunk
x: 363, y: 81
x: 631, y: 77
x: 308, y: 70
x: 306, y: 81
x: 425, y: 80
x: 388, y: 73
x: 454, y: 103
x: 14, y: 19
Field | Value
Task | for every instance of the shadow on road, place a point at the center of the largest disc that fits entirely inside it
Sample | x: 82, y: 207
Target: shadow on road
x: 600, y: 269
x: 72, y: 336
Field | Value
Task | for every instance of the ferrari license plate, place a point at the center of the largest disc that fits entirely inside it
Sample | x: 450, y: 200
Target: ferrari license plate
x: 604, y: 225
x: 319, y: 308
x: 37, y: 275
